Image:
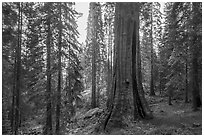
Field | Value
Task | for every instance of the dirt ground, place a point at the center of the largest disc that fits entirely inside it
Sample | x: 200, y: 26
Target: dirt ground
x: 176, y: 119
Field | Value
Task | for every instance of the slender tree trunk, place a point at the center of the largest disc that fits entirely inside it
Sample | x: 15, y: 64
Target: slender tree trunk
x: 13, y: 96
x: 18, y: 72
x: 108, y: 79
x: 110, y: 61
x: 98, y: 84
x: 111, y: 56
x: 160, y: 71
x: 152, y: 93
x: 59, y: 76
x: 108, y: 66
x: 170, y: 98
x: 21, y: 31
x: 160, y: 77
x: 173, y: 35
x: 67, y: 94
x: 93, y: 100
x: 48, y: 127
x: 186, y: 90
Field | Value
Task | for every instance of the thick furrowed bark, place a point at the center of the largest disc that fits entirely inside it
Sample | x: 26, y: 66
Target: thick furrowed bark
x: 125, y: 79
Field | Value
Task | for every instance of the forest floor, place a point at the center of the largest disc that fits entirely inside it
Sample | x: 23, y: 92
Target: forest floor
x: 176, y: 119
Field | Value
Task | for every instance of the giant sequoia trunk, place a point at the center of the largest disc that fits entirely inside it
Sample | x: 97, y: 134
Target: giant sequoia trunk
x: 124, y: 87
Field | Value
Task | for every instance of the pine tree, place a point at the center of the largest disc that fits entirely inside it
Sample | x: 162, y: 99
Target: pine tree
x: 71, y: 49
x: 34, y: 28
x: 177, y: 41
x: 9, y: 35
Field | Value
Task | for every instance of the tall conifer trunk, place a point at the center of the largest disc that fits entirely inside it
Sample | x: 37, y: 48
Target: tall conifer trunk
x: 93, y: 99
x: 152, y: 93
x: 17, y: 68
x: 48, y: 127
x: 124, y: 89
x: 59, y: 75
x: 109, y: 63
x: 13, y: 98
x: 186, y: 73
